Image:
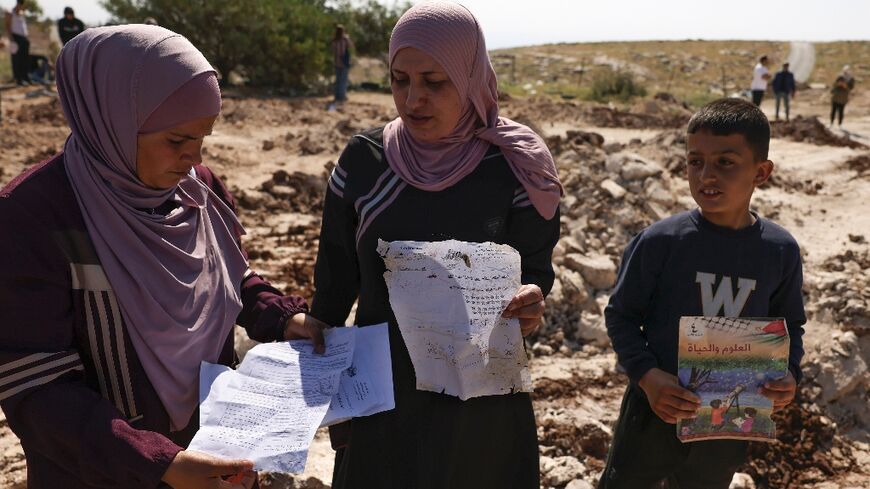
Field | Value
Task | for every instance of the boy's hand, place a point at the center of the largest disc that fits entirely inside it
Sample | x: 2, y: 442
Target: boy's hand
x: 527, y: 305
x: 670, y: 401
x: 781, y: 391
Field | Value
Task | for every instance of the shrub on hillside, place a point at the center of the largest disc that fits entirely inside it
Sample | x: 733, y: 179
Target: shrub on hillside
x: 611, y: 85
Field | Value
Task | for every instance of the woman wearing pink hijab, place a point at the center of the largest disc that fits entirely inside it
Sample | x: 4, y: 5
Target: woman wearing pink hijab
x: 121, y: 270
x: 448, y: 168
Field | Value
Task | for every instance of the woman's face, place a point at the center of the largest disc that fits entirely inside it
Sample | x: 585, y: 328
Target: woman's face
x: 426, y: 99
x: 164, y: 158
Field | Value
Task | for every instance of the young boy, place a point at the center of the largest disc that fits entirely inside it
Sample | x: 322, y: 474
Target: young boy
x: 719, y: 260
x: 717, y: 413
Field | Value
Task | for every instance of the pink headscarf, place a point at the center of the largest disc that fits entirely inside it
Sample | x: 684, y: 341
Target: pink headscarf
x: 452, y: 36
x: 177, y: 277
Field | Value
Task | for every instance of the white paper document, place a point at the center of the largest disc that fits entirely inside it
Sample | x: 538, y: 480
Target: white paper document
x: 366, y: 387
x: 268, y: 410
x: 448, y: 297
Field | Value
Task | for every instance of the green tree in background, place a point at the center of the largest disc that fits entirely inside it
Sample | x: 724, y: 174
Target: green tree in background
x: 370, y: 23
x: 276, y: 43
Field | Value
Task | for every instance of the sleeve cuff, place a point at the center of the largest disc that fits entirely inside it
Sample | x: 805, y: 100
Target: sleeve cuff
x: 275, y: 317
x: 150, y: 455
x: 639, y: 368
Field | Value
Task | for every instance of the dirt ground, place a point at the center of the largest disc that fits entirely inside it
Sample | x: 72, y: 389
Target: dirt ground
x: 275, y: 155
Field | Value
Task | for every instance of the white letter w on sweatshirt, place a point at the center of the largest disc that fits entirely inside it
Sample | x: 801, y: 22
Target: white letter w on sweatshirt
x: 724, y: 296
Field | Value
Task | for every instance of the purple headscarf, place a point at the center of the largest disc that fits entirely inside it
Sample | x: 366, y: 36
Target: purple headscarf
x: 452, y: 36
x: 177, y: 277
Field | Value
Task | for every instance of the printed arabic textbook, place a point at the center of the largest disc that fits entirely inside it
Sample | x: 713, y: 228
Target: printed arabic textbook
x: 725, y: 361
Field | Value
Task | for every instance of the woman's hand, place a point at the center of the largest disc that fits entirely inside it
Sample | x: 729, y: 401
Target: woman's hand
x: 781, y: 391
x: 302, y: 326
x: 528, y: 306
x: 196, y: 470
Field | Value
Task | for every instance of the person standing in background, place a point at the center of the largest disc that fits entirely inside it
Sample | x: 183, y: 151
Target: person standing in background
x: 839, y: 99
x: 16, y: 29
x: 341, y: 47
x: 760, y: 77
x: 69, y: 26
x: 783, y: 88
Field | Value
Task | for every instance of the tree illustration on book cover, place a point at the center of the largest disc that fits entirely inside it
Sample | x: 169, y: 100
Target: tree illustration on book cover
x: 725, y: 361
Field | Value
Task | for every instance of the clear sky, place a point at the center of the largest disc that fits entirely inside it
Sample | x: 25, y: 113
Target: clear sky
x: 510, y: 23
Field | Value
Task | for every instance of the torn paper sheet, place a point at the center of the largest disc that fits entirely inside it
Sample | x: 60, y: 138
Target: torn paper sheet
x: 366, y: 387
x: 448, y: 297
x: 268, y: 410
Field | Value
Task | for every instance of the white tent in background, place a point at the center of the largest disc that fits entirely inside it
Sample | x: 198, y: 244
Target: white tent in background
x: 801, y: 60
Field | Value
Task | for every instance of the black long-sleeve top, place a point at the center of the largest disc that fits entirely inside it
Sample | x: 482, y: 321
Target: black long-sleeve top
x: 430, y: 440
x: 679, y: 266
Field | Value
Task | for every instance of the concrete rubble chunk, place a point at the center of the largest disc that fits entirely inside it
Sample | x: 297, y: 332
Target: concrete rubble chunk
x: 614, y: 189
x: 598, y: 270
x: 631, y: 166
x: 639, y: 170
x: 573, y: 287
x: 592, y: 329
x: 559, y: 471
x: 842, y: 368
x: 656, y: 211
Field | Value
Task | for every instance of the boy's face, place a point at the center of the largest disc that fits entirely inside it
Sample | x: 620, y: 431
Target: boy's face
x: 722, y: 174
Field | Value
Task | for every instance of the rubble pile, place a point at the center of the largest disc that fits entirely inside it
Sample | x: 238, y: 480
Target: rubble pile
x: 284, y: 219
x: 31, y: 133
x: 667, y: 147
x: 841, y: 289
x: 576, y: 402
x: 652, y: 115
x: 810, y: 130
x: 308, y: 112
x: 48, y: 113
x: 859, y: 164
x: 611, y: 193
x: 294, y: 192
x: 808, y: 450
x: 791, y: 185
x: 657, y: 113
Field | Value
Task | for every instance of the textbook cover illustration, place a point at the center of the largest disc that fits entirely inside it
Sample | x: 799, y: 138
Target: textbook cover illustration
x: 725, y: 361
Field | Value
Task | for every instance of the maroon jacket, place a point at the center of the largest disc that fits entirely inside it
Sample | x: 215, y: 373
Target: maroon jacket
x: 71, y: 384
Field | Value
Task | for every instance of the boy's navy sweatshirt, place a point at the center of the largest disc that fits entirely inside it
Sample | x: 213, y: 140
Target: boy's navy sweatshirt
x: 687, y: 266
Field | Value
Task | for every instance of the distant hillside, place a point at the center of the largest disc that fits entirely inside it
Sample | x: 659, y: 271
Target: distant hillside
x: 691, y: 70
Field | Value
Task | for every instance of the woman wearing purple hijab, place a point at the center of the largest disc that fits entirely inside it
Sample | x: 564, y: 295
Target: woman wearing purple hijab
x: 448, y: 168
x: 121, y: 269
